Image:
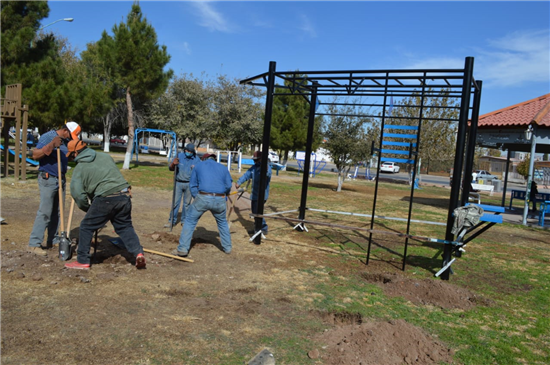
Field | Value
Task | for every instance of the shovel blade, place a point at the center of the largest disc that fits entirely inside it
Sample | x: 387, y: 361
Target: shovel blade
x: 65, y: 252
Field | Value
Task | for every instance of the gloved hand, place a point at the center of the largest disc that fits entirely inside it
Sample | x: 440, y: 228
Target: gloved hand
x: 47, y: 149
x: 174, y: 163
x: 56, y: 142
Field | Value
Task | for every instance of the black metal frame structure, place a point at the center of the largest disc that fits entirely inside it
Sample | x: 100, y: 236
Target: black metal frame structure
x: 379, y: 85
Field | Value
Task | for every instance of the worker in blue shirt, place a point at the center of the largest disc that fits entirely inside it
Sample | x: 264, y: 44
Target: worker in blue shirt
x: 210, y: 183
x: 47, y: 216
x: 184, y: 163
x: 254, y: 174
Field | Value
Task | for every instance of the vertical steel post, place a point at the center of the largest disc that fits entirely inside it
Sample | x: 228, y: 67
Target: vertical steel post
x: 459, y: 155
x: 265, y: 149
x: 470, y: 151
x: 383, y: 123
x: 530, y: 176
x: 309, y: 143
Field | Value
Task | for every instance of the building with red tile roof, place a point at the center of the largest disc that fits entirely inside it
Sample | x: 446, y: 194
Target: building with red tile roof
x: 505, y: 128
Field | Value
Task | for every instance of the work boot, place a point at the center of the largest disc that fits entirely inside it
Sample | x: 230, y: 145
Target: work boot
x: 37, y: 251
x: 140, y: 261
x: 168, y: 225
x: 180, y: 253
x: 77, y: 265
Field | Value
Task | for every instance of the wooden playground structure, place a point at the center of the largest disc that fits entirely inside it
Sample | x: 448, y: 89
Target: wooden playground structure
x: 17, y: 115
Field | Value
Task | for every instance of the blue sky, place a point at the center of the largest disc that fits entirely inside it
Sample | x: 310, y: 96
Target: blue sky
x: 510, y: 41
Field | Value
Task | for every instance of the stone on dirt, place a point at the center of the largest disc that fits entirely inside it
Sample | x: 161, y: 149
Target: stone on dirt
x: 263, y: 358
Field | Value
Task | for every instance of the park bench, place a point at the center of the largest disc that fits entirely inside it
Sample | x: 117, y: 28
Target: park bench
x: 520, y: 194
x: 544, y: 208
x: 483, y: 187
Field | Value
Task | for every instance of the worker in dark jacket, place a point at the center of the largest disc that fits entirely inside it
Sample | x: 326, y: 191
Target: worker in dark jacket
x: 184, y: 164
x: 97, y: 179
x: 254, y: 174
x: 210, y: 183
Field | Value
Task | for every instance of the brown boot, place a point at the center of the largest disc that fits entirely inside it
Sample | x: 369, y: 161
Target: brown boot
x: 37, y: 251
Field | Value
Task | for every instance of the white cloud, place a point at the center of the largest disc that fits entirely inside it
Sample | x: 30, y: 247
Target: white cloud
x: 513, y: 60
x: 517, y: 58
x: 187, y: 48
x: 307, y: 27
x: 210, y: 18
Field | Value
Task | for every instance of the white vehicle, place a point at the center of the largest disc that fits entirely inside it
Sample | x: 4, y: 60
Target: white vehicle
x: 389, y: 167
x: 484, y: 175
x: 273, y: 157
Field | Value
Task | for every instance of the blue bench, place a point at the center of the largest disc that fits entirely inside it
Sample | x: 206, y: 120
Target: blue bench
x: 491, y: 218
x: 520, y: 194
x: 544, y: 208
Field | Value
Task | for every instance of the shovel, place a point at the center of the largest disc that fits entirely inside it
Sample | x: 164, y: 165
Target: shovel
x: 64, y: 243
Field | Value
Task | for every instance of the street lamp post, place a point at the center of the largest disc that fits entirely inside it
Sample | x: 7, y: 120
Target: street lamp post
x: 57, y: 21
x: 530, y: 136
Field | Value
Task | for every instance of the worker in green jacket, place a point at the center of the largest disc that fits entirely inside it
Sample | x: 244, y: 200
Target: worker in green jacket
x: 97, y: 179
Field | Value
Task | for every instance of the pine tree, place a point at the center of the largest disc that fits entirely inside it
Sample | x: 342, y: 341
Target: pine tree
x: 138, y: 62
x: 290, y: 119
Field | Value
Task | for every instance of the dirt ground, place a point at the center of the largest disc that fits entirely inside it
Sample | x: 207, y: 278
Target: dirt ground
x: 114, y: 314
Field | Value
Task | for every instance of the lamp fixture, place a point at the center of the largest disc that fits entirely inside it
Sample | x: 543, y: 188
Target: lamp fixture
x: 529, y: 132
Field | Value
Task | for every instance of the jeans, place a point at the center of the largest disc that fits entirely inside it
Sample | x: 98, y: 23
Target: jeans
x: 182, y: 189
x: 47, y: 216
x: 202, y: 203
x: 118, y: 210
x: 254, y: 208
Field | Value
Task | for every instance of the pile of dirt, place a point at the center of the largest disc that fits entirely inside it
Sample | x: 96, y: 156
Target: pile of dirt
x: 425, y: 291
x: 394, y: 342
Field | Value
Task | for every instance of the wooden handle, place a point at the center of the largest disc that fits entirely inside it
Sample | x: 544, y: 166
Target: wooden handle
x: 168, y: 255
x: 60, y: 188
x: 71, y: 211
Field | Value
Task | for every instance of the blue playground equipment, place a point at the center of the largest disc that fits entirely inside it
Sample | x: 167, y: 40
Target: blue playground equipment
x: 32, y: 162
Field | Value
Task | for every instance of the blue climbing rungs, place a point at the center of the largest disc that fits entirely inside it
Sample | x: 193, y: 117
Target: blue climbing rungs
x: 402, y: 127
x: 402, y: 160
x: 395, y: 152
x: 401, y: 144
x: 398, y: 135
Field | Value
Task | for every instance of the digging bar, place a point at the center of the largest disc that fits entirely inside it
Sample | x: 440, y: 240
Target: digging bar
x: 167, y: 255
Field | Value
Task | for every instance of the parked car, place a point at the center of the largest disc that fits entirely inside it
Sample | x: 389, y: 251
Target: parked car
x: 273, y: 157
x: 117, y: 140
x: 389, y: 167
x: 484, y: 175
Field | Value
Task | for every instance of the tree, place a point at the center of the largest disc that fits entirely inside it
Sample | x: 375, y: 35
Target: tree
x: 137, y: 62
x: 101, y: 97
x: 20, y: 22
x: 186, y: 108
x: 437, y: 133
x: 523, y: 167
x: 238, y: 114
x: 35, y: 62
x: 348, y: 137
x: 290, y: 119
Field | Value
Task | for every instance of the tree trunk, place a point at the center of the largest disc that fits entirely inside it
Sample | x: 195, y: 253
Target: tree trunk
x: 285, y: 157
x: 107, y: 132
x: 130, y: 144
x: 340, y: 180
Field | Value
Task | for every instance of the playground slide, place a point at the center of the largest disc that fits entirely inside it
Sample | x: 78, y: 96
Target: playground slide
x: 32, y: 162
